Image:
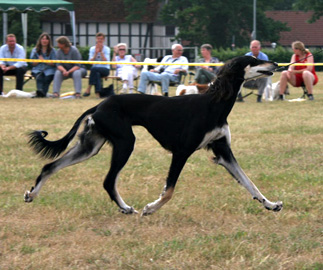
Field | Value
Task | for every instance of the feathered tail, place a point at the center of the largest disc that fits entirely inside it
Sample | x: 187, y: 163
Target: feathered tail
x: 52, y: 149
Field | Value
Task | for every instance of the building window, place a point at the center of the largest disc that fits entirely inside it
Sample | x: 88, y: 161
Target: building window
x: 68, y: 29
x: 170, y: 30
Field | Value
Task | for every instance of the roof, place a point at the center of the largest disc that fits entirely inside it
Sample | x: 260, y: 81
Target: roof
x: 309, y: 33
x: 36, y: 5
x: 104, y: 11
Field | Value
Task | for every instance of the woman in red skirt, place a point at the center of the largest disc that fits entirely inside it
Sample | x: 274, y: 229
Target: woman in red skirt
x: 299, y: 75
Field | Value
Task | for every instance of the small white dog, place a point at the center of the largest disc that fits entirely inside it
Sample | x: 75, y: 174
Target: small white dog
x: 186, y: 90
x: 18, y: 94
x: 191, y: 89
x: 272, y: 91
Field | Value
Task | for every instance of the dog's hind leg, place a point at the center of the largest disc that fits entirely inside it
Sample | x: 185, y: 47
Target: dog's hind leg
x: 224, y: 157
x: 176, y: 167
x: 122, y: 149
x: 89, y: 144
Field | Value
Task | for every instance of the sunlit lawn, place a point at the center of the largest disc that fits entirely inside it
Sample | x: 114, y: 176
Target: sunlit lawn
x: 211, y: 222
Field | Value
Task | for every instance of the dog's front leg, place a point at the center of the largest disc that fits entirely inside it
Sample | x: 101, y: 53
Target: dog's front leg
x: 176, y: 167
x: 224, y: 157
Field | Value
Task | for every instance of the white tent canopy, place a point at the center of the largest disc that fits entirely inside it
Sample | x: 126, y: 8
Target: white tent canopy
x: 34, y: 5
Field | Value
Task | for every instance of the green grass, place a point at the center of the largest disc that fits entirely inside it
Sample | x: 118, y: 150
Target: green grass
x: 211, y: 222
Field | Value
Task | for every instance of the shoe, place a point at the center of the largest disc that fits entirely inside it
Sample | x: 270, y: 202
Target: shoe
x: 166, y: 94
x: 259, y: 99
x: 310, y: 97
x: 55, y: 95
x: 281, y: 97
x: 40, y: 94
x: 78, y: 96
x: 240, y: 99
x: 86, y: 94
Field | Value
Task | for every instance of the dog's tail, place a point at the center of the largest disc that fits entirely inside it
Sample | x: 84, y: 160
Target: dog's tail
x: 52, y: 149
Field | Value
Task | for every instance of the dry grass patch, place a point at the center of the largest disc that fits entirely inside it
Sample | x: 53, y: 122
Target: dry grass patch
x: 211, y: 223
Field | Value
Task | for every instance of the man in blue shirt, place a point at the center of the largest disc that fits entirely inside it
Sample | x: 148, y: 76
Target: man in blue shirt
x: 261, y: 83
x: 12, y: 50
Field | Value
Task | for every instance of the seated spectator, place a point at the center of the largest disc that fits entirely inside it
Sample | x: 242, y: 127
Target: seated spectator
x: 299, y: 75
x: 165, y: 74
x: 12, y: 50
x: 260, y: 83
x: 99, y: 52
x: 64, y: 71
x: 43, y: 72
x: 206, y: 74
x: 127, y: 73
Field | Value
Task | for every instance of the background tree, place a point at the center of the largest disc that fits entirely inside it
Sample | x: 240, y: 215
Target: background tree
x: 136, y: 8
x: 311, y: 5
x: 221, y: 22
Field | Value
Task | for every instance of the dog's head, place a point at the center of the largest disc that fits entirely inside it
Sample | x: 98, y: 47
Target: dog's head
x: 251, y: 67
x: 257, y: 68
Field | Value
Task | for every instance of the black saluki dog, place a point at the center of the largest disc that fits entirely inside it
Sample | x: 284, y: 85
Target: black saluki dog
x: 180, y: 124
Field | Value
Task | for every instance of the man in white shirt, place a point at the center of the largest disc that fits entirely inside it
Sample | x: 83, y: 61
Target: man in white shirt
x: 165, y: 74
x: 12, y: 50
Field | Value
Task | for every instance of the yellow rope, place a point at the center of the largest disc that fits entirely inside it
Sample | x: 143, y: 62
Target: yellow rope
x: 135, y: 63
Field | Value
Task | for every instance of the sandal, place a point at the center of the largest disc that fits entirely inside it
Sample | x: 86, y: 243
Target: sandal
x: 77, y: 95
x: 55, y: 95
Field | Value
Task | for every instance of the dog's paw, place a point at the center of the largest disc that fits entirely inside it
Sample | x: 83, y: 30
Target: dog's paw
x: 128, y: 211
x: 147, y: 211
x: 278, y: 207
x: 27, y: 197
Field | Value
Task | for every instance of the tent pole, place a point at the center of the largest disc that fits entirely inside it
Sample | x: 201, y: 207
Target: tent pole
x: 72, y: 18
x: 5, y: 26
x: 24, y: 17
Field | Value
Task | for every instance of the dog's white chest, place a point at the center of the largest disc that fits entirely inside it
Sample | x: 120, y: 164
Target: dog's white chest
x: 215, y: 134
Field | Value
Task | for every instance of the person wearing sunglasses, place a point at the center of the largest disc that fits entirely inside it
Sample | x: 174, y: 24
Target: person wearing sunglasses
x: 127, y: 72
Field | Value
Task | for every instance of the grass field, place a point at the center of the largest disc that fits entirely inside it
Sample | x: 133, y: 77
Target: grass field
x: 211, y: 222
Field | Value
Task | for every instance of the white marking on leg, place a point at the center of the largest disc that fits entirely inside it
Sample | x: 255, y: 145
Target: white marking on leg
x: 70, y: 158
x: 243, y: 179
x: 124, y: 208
x: 163, y: 199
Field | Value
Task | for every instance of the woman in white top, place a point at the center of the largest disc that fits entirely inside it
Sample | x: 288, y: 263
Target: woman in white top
x: 126, y: 72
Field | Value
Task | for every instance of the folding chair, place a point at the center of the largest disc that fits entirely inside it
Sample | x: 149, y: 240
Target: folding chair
x: 117, y: 82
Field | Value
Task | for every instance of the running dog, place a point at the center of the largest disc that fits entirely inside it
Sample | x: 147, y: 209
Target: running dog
x: 181, y: 124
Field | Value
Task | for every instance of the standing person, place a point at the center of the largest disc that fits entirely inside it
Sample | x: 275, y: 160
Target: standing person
x: 206, y: 74
x: 65, y: 70
x: 127, y: 73
x: 99, y: 52
x: 165, y: 74
x: 43, y: 72
x: 299, y: 75
x: 261, y: 83
x: 12, y: 50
